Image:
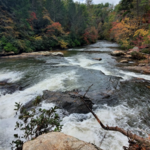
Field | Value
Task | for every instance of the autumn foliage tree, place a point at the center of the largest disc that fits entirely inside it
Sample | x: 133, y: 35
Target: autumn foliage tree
x: 90, y: 35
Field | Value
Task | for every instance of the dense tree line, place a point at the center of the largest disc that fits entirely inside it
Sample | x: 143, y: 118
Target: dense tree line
x: 35, y: 25
x: 32, y: 25
x: 129, y: 24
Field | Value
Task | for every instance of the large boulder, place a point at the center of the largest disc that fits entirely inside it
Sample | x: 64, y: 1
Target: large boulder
x: 58, y: 141
x: 118, y: 53
x: 69, y: 101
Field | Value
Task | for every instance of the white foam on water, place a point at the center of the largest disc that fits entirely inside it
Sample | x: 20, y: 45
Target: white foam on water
x: 2, y: 91
x: 128, y: 75
x: 101, y: 49
x: 90, y: 131
x: 63, y: 64
x: 7, y: 102
x: 53, y: 83
x: 78, y: 49
x: 11, y: 76
x: 103, y: 44
x: 6, y: 132
x: 47, y: 105
x: 87, y: 64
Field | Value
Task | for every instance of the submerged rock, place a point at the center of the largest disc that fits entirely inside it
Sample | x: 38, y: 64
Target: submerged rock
x: 58, y: 141
x: 118, y: 53
x: 99, y: 59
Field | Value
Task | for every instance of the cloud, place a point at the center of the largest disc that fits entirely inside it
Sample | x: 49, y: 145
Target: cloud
x: 105, y: 1
x: 101, y: 1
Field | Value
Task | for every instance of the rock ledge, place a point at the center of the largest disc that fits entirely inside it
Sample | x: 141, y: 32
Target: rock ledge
x: 58, y: 141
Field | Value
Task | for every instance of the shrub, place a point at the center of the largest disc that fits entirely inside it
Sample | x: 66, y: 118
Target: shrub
x: 137, y: 55
x: 9, y: 47
x: 146, y: 51
x: 63, y: 44
x: 34, y: 123
x: 77, y: 42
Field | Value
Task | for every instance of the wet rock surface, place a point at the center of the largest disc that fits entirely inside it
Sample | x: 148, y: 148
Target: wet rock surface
x: 140, y: 69
x: 69, y: 101
x: 8, y: 88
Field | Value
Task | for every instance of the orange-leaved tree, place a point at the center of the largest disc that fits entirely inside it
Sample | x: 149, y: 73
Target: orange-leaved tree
x: 90, y: 35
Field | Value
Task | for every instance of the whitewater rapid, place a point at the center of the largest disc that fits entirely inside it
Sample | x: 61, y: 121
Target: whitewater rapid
x: 76, y: 71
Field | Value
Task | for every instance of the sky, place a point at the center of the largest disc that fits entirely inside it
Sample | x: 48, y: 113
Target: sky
x: 102, y: 1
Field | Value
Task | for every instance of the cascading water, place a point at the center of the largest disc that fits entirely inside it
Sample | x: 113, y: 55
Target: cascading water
x: 127, y: 107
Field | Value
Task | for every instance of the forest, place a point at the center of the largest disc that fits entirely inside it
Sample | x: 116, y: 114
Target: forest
x: 30, y: 25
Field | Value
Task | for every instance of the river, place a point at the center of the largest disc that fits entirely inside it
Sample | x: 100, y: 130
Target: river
x: 127, y: 106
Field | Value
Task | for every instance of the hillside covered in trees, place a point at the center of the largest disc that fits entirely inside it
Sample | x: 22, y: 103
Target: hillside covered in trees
x: 30, y: 25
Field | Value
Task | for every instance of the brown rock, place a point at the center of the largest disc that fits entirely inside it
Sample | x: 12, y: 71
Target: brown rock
x: 127, y: 56
x: 58, y: 141
x: 35, y: 54
x: 124, y: 61
x: 140, y: 69
x: 118, y: 53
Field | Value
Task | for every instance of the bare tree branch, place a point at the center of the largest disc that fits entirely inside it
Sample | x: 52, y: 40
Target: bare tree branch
x: 87, y: 90
x: 130, y: 135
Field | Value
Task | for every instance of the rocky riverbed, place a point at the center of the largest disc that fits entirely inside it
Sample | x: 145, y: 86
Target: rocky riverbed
x: 119, y: 97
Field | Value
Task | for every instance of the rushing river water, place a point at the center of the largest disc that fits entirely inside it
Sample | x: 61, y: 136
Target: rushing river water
x: 127, y: 106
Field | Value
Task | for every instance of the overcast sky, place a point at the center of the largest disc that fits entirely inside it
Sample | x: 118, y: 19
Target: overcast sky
x: 102, y: 1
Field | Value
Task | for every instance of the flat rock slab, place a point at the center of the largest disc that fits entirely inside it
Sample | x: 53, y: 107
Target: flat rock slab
x: 141, y: 69
x: 58, y: 141
x: 124, y: 61
x: 35, y: 54
x: 118, y: 53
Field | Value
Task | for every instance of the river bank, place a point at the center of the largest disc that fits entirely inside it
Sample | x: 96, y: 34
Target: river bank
x: 128, y: 62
